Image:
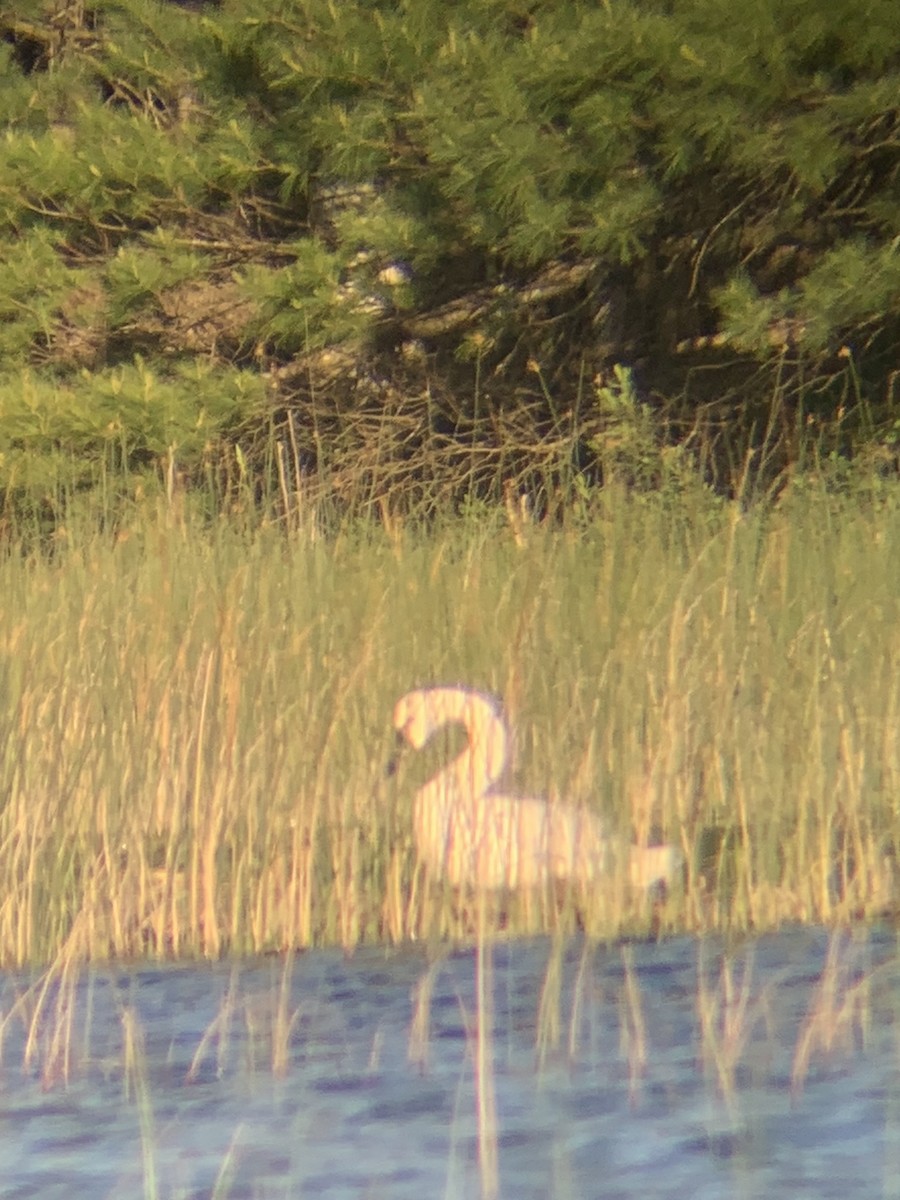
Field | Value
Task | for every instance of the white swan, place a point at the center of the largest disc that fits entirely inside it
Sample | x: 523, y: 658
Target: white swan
x: 473, y: 837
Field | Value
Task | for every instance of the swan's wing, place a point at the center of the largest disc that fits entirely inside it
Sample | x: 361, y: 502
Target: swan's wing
x: 524, y: 842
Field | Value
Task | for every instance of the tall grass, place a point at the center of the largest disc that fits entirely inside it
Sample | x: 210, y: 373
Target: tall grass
x: 196, y: 715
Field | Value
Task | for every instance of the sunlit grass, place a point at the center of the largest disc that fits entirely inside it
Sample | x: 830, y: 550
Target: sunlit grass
x: 196, y: 717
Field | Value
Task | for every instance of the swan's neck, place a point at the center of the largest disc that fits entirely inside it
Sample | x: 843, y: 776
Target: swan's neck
x: 477, y: 768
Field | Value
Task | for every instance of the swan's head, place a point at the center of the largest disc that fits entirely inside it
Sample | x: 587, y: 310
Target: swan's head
x: 419, y: 714
x: 412, y: 719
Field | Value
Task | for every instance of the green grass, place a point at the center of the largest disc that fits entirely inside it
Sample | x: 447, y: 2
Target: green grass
x: 196, y: 716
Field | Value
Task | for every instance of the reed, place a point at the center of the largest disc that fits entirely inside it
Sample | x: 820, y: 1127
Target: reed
x: 137, y: 1091
x: 196, y: 716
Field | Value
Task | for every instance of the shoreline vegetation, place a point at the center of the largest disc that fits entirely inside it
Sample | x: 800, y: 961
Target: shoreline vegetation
x: 196, y: 716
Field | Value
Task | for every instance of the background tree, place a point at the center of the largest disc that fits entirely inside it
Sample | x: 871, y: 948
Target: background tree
x: 419, y: 231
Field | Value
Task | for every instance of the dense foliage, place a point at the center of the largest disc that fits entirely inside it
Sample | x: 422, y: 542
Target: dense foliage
x: 418, y: 236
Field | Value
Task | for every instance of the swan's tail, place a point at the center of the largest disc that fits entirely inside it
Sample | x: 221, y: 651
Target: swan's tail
x: 650, y: 866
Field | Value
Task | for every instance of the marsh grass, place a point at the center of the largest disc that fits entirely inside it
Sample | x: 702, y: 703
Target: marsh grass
x: 838, y: 1017
x: 730, y: 1009
x: 196, y: 716
x: 137, y: 1090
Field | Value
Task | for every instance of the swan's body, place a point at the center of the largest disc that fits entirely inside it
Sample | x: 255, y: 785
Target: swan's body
x: 473, y: 837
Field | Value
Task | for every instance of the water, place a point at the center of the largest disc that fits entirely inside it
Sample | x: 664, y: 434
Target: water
x: 676, y: 1070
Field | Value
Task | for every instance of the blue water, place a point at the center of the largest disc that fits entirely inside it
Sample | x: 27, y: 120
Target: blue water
x: 677, y: 1070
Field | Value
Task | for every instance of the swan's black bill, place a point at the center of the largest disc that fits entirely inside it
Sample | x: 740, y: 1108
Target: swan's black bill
x: 393, y: 763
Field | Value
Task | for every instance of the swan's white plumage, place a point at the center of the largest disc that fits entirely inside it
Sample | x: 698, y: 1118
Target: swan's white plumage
x: 473, y: 837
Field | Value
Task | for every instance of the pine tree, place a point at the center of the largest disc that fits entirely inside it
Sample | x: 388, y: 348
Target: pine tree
x: 308, y: 189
